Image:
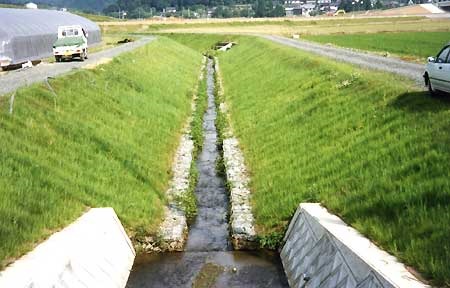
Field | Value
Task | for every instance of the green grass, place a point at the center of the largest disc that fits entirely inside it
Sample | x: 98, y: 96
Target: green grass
x: 407, y: 44
x: 188, y: 201
x: 14, y: 6
x: 197, y: 117
x: 369, y: 146
x: 198, y: 42
x: 95, y: 17
x: 109, y: 141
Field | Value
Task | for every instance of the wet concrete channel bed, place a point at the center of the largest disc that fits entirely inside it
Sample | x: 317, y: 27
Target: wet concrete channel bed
x: 208, y: 260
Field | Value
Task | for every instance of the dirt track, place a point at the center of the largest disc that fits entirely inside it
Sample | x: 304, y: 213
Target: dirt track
x: 18, y: 78
x: 365, y: 60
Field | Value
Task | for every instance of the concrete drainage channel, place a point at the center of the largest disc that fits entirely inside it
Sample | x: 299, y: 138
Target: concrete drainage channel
x: 319, y: 249
x: 208, y: 259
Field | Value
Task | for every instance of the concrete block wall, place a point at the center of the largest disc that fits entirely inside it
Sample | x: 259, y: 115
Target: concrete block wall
x: 94, y: 251
x: 321, y: 251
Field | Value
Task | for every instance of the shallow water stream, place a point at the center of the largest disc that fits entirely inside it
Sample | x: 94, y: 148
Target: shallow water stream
x: 209, y: 260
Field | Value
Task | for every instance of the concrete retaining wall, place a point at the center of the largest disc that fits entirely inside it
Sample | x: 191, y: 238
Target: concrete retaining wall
x: 94, y: 251
x: 320, y: 250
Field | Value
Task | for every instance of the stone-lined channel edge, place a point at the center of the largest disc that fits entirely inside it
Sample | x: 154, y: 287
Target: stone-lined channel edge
x: 243, y: 234
x: 173, y: 231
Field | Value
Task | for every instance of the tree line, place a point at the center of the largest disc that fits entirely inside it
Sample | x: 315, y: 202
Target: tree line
x: 197, y: 8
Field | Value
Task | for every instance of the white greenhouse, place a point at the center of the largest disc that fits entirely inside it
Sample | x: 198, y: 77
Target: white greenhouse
x: 29, y: 34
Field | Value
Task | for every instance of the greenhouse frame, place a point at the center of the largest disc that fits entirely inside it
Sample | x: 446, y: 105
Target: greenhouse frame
x: 29, y: 34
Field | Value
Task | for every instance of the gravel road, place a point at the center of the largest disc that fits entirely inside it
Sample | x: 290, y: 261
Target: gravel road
x: 15, y: 79
x: 365, y: 60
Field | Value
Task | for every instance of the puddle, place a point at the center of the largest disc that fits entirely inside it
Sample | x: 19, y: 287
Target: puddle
x: 238, y: 269
x: 209, y: 260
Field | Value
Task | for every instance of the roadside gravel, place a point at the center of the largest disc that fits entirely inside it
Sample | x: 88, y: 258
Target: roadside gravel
x: 365, y: 60
x: 18, y: 78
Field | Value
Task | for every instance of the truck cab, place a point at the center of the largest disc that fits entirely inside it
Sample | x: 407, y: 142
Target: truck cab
x: 72, y: 43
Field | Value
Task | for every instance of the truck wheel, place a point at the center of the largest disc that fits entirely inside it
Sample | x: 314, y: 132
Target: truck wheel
x: 58, y: 58
x: 86, y: 54
x: 82, y: 56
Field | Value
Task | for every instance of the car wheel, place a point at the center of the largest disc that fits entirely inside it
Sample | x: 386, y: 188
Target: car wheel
x: 431, y: 89
x: 82, y: 56
x: 86, y: 54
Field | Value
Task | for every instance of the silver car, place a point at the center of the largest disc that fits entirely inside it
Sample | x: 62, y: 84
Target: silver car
x: 437, y: 71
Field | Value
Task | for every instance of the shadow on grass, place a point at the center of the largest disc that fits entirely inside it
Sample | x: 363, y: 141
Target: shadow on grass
x: 422, y: 102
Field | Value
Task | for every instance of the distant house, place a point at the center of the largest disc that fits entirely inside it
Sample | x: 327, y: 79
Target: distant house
x: 169, y: 11
x: 210, y: 12
x: 324, y: 5
x: 293, y: 2
x: 308, y: 8
x: 293, y: 10
x: 31, y: 5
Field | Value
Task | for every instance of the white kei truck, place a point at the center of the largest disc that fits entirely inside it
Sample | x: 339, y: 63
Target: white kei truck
x: 72, y: 43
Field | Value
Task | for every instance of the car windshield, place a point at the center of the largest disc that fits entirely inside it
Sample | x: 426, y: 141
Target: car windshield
x: 442, y: 57
x: 70, y: 32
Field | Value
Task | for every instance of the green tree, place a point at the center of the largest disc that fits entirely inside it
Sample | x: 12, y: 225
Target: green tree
x: 260, y: 8
x: 367, y: 4
x: 379, y: 4
x: 278, y: 11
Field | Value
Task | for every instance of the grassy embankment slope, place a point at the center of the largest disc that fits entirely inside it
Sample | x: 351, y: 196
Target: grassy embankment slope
x: 108, y: 141
x: 369, y: 146
x: 408, y: 45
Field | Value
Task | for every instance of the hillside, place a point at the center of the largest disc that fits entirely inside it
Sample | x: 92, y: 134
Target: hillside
x: 90, y: 5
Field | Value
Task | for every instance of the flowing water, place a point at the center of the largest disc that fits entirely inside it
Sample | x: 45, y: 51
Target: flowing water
x: 209, y: 260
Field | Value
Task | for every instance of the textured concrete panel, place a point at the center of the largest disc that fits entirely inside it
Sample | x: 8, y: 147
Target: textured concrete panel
x: 321, y: 251
x: 94, y: 251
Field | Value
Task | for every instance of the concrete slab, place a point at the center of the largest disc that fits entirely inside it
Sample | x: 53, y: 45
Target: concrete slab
x: 320, y: 250
x: 94, y: 251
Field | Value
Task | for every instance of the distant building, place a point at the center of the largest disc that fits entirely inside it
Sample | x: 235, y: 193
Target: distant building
x: 443, y: 4
x: 308, y: 8
x: 292, y: 3
x: 293, y: 11
x: 324, y: 5
x: 169, y: 11
x: 210, y: 12
x: 31, y: 5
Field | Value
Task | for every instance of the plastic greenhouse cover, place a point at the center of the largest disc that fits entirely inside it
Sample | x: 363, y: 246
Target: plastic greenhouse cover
x: 29, y: 34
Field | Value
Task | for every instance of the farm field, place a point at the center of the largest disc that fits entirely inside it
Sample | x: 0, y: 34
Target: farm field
x: 107, y: 139
x: 407, y: 45
x: 282, y: 26
x: 370, y: 146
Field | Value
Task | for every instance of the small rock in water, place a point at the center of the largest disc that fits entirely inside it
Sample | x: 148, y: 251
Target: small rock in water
x: 234, y: 269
